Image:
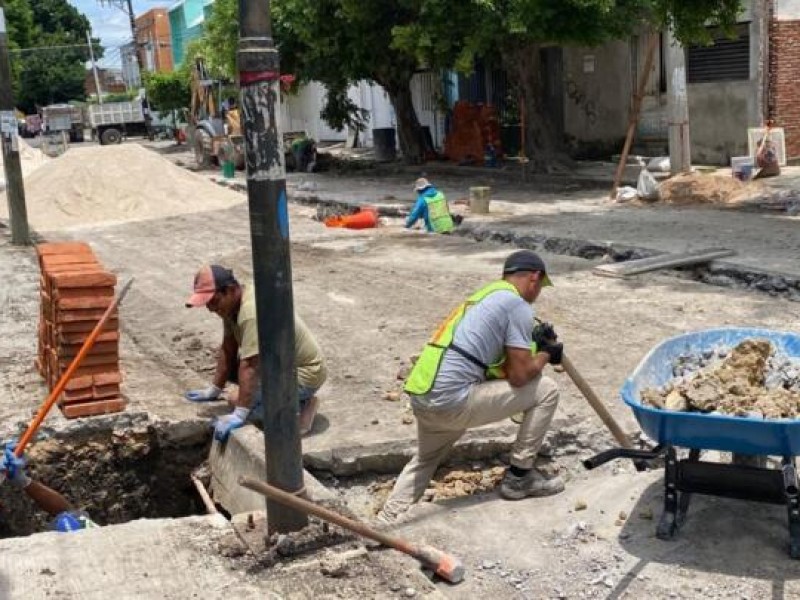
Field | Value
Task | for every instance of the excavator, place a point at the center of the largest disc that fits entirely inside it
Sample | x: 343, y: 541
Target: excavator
x: 214, y: 138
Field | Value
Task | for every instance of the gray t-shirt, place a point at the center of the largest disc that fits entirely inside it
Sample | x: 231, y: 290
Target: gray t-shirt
x: 501, y: 319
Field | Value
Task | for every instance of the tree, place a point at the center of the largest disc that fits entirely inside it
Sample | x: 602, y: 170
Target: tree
x: 168, y: 91
x: 50, y: 67
x: 513, y: 33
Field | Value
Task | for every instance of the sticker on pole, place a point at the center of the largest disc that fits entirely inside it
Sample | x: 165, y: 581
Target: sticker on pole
x: 8, y: 121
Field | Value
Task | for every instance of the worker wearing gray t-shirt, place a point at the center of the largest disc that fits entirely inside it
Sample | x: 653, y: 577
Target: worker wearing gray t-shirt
x: 481, y: 367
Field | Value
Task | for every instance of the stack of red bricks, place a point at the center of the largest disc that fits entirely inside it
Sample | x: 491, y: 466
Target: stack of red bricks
x: 75, y: 293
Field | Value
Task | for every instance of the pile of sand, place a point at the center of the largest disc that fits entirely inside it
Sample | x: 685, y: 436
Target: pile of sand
x: 30, y: 159
x: 696, y: 188
x: 104, y: 184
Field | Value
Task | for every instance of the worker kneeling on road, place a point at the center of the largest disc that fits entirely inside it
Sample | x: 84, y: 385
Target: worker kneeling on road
x: 217, y: 289
x: 65, y: 517
x: 431, y: 206
x: 490, y: 336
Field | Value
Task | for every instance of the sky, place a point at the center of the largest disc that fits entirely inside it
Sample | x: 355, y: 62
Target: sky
x: 111, y: 24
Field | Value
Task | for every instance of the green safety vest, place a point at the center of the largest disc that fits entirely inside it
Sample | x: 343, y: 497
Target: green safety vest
x: 423, y: 375
x: 438, y: 213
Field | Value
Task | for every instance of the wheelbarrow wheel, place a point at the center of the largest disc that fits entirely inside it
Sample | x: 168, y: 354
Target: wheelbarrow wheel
x: 667, y: 527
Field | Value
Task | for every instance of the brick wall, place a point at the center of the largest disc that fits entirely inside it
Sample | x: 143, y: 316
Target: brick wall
x: 784, y: 81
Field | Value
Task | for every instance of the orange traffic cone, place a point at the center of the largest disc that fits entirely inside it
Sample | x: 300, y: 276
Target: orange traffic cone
x: 363, y: 219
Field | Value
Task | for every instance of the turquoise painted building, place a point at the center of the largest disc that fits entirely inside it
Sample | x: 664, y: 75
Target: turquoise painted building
x: 186, y: 21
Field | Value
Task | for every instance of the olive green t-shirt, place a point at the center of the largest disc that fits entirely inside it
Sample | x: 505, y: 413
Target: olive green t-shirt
x: 311, y: 371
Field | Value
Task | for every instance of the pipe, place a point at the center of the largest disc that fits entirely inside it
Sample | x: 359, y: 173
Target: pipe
x: 211, y: 508
x: 640, y: 457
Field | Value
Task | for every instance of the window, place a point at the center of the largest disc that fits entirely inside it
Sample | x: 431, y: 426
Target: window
x: 727, y: 59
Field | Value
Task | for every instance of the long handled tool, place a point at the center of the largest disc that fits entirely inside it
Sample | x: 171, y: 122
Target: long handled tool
x: 444, y: 565
x: 65, y: 377
x: 595, y: 402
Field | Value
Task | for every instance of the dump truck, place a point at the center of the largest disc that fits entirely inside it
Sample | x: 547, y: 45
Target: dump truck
x: 66, y: 118
x: 113, y: 121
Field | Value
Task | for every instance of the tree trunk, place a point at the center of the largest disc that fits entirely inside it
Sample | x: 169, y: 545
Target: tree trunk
x: 408, y: 128
x: 542, y: 147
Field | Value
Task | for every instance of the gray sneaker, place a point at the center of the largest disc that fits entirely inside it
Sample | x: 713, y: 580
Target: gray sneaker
x: 534, y: 483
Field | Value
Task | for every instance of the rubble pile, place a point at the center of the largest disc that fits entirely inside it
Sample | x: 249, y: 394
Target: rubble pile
x: 750, y: 380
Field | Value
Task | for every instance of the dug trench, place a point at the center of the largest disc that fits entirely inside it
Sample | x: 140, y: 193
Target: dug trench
x: 116, y: 469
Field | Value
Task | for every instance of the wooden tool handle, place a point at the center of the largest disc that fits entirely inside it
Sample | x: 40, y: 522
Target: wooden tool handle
x: 595, y: 403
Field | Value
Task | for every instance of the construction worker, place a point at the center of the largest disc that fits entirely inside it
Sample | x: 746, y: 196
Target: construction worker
x: 480, y: 367
x: 217, y: 289
x: 304, y: 150
x: 431, y: 206
x: 66, y: 518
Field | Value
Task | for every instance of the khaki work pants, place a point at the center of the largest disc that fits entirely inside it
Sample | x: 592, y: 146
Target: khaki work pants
x: 488, y: 402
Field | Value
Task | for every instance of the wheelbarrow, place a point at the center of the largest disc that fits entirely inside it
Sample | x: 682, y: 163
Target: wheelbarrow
x: 697, y: 432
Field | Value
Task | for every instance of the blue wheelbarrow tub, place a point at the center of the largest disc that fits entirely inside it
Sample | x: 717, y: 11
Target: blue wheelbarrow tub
x: 744, y: 435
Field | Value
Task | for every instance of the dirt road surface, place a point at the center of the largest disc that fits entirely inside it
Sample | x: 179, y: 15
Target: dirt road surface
x: 372, y: 298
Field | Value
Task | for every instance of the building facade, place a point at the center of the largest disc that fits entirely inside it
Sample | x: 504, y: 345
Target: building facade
x: 154, y: 40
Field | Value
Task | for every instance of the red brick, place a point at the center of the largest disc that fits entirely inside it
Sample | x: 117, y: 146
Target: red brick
x: 62, y: 248
x: 84, y: 279
x: 84, y: 326
x: 88, y: 314
x: 111, y: 390
x: 107, y: 359
x: 81, y: 382
x: 52, y: 260
x: 84, y: 302
x: 82, y: 395
x: 79, y: 338
x: 98, y: 348
x: 95, y: 407
x: 95, y: 292
x: 109, y: 377
x: 85, y: 369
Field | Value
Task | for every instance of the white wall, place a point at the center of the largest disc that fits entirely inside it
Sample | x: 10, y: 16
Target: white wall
x: 301, y: 111
x: 787, y: 10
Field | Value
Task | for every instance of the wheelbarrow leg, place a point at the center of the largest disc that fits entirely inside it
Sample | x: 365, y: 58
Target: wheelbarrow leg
x: 790, y: 487
x: 668, y: 524
x: 686, y: 497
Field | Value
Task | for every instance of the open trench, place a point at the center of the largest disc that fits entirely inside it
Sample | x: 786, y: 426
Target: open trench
x: 117, y: 470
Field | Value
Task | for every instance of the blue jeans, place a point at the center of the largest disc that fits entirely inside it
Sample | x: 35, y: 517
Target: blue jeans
x: 304, y: 394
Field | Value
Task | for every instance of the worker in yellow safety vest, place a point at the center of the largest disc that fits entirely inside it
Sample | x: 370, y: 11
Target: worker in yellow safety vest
x: 431, y: 207
x: 484, y: 364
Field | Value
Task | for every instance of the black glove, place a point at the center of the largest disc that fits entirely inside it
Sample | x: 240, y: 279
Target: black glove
x: 555, y: 350
x: 544, y: 333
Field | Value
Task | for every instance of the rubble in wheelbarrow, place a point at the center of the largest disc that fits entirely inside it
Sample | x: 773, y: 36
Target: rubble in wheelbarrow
x: 751, y: 380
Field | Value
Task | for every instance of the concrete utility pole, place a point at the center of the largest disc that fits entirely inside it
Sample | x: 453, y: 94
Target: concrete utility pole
x: 259, y: 98
x: 94, y: 68
x: 15, y: 191
x: 680, y: 150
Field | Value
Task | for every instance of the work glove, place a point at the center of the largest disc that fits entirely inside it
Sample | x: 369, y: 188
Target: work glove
x: 209, y: 394
x: 226, y: 423
x: 555, y: 350
x: 14, y: 468
x: 543, y: 333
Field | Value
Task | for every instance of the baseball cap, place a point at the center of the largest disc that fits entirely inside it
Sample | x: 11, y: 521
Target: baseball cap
x: 209, y: 280
x: 421, y: 183
x: 526, y: 260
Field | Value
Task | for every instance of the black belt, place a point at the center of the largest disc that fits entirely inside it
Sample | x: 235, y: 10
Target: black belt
x: 470, y: 357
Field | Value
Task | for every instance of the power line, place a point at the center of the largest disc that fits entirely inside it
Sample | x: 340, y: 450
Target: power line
x: 44, y: 48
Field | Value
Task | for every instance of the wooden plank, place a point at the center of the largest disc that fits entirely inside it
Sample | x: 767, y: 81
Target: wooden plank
x: 662, y: 261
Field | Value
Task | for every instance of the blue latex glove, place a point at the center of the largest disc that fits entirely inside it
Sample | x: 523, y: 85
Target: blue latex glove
x: 226, y: 423
x: 209, y: 394
x: 14, y: 467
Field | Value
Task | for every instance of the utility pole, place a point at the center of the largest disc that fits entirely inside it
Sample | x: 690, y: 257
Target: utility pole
x: 258, y: 64
x: 126, y: 6
x: 94, y: 68
x: 680, y: 150
x: 15, y: 191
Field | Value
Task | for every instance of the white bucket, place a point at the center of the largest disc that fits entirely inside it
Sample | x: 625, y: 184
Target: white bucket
x: 742, y: 167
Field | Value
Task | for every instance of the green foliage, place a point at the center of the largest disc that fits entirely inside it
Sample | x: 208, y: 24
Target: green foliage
x: 168, y: 91
x: 48, y: 75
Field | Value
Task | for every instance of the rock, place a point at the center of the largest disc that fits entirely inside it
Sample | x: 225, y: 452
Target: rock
x: 409, y: 592
x: 646, y: 514
x: 375, y: 422
x: 622, y: 515
x: 395, y: 587
x: 391, y: 396
x: 334, y: 565
x: 407, y: 420
x: 580, y: 505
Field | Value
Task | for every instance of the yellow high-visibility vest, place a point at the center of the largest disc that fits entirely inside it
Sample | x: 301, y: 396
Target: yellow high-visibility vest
x: 438, y: 213
x: 420, y: 380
